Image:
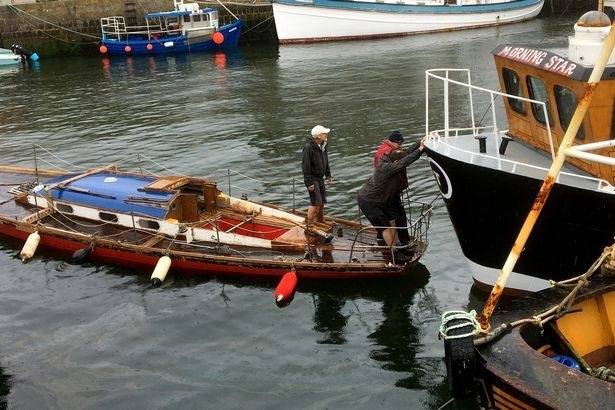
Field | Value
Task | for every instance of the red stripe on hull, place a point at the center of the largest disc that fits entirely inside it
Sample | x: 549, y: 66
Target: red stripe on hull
x: 192, y: 266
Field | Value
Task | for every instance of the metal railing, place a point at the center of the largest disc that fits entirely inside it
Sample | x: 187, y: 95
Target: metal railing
x: 417, y: 229
x: 516, y: 166
x: 495, y: 130
x: 496, y: 134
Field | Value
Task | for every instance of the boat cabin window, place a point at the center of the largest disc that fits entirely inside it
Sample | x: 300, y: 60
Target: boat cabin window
x: 538, y: 92
x: 513, y: 87
x: 106, y: 216
x: 566, y: 101
x: 187, y: 18
x: 196, y: 17
x: 147, y: 224
x: 67, y: 209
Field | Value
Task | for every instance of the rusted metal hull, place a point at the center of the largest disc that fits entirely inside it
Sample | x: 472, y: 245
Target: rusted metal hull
x: 513, y: 374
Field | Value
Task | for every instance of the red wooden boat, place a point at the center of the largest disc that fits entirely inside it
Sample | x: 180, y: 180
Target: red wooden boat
x: 187, y: 225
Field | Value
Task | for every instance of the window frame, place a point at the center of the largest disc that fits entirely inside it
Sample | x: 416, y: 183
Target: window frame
x: 536, y: 107
x: 516, y: 105
x: 581, y: 132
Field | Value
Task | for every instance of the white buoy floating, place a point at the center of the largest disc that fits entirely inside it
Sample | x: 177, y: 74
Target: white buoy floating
x: 161, y: 270
x: 30, y: 246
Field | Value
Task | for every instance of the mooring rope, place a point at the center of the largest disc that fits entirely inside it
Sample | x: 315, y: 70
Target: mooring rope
x: 468, y: 320
x: 13, y: 8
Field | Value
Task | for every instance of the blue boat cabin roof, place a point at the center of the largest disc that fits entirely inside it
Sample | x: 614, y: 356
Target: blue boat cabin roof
x: 114, y: 192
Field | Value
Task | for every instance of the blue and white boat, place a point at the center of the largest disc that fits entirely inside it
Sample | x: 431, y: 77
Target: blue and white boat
x: 16, y: 55
x: 299, y: 21
x: 186, y: 29
x: 7, y: 58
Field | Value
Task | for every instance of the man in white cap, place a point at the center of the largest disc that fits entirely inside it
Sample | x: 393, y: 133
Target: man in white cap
x: 315, y: 167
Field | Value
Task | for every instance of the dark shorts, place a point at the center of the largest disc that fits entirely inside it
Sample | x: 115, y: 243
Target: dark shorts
x: 319, y: 195
x: 377, y: 214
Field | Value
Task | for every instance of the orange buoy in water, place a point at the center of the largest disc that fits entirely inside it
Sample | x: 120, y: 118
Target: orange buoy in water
x: 285, y: 291
x: 218, y: 38
x: 103, y: 49
x: 149, y: 46
x: 127, y: 49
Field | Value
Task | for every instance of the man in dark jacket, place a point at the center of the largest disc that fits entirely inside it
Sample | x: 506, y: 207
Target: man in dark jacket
x: 377, y: 194
x: 389, y: 145
x: 315, y: 167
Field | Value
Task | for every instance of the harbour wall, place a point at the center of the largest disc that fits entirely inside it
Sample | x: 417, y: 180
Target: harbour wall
x: 64, y: 27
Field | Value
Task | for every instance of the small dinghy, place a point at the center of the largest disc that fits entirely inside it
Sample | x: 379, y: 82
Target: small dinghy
x: 185, y: 224
x: 16, y: 55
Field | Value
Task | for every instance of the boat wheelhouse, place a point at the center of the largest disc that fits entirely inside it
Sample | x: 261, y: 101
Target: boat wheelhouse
x: 186, y: 29
x: 299, y: 21
x: 489, y: 175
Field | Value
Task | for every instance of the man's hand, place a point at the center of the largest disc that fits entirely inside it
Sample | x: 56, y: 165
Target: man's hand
x: 311, y: 187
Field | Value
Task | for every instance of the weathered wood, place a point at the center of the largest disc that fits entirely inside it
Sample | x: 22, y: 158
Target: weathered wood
x: 30, y: 171
x: 93, y: 171
x: 37, y: 216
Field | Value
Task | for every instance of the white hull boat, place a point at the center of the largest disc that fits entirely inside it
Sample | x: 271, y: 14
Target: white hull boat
x: 8, y: 58
x: 322, y: 20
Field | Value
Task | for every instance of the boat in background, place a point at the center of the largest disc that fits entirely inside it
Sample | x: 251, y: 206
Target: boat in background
x: 300, y: 21
x: 16, y: 55
x: 140, y: 220
x: 186, y: 29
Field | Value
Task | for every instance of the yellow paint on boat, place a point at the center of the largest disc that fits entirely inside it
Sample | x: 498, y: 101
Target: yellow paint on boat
x: 593, y: 327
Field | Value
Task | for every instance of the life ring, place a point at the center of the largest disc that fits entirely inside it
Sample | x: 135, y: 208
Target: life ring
x: 460, y: 360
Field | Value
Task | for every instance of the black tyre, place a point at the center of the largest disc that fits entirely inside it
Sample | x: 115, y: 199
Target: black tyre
x: 460, y: 361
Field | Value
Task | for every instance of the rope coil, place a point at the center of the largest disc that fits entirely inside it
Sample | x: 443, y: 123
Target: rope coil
x: 468, y: 318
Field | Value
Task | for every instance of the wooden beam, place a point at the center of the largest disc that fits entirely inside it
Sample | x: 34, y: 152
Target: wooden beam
x: 30, y: 171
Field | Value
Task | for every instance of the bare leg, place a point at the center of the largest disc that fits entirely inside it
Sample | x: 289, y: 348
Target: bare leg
x: 320, y: 213
x: 389, y: 236
x: 395, y: 239
x: 311, y: 214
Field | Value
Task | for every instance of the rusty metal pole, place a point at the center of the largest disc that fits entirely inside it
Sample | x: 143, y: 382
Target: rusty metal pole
x: 601, y: 5
x: 549, y: 181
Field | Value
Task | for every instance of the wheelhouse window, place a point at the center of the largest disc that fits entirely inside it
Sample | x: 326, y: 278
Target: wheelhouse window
x: 147, y: 224
x: 566, y: 101
x: 186, y: 18
x: 538, y: 92
x: 513, y: 87
x: 196, y: 18
x: 106, y: 216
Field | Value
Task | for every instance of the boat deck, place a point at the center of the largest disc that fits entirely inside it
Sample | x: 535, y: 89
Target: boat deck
x: 519, y: 158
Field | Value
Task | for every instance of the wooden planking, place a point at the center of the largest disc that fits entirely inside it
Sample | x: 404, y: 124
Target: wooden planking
x: 31, y: 171
x: 169, y: 183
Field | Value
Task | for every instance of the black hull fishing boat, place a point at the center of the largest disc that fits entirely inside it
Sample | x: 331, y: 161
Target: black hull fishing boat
x: 487, y: 207
x: 489, y: 174
x: 555, y: 348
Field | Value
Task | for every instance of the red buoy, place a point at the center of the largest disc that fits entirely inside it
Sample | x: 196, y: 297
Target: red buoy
x: 149, y: 46
x: 127, y: 49
x: 285, y: 291
x: 218, y: 38
x: 103, y: 49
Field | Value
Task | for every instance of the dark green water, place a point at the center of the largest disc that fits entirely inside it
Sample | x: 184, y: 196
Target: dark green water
x: 100, y: 337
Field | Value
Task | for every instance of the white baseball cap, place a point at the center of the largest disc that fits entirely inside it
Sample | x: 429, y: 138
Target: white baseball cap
x: 319, y: 129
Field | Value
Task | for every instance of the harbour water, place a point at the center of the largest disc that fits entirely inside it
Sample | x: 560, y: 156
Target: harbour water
x: 101, y: 337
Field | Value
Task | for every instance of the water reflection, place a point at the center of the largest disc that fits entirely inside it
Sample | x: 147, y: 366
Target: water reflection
x: 397, y: 337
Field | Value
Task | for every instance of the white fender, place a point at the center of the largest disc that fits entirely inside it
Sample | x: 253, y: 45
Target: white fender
x: 161, y: 270
x: 30, y: 246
